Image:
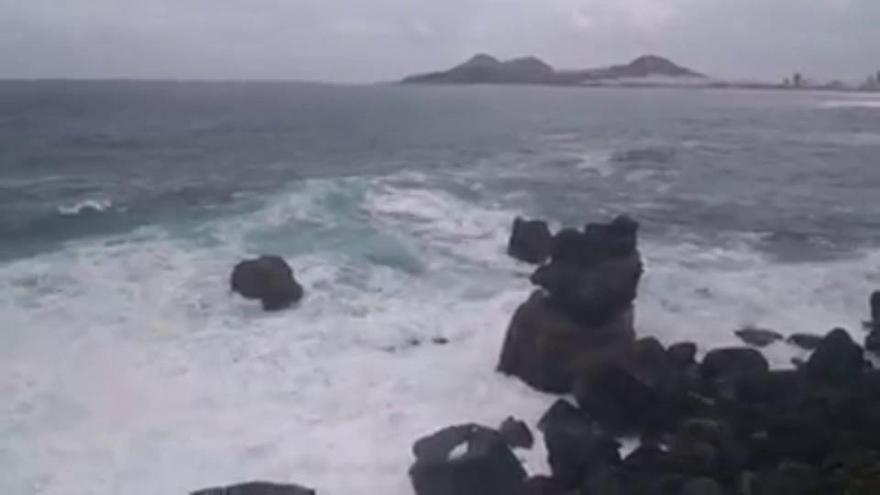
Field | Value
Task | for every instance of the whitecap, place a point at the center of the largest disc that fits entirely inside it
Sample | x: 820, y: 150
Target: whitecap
x: 86, y: 206
x: 852, y: 103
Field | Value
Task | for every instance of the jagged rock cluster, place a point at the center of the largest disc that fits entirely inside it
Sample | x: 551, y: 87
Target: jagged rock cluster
x: 726, y: 424
x: 723, y: 424
x: 582, y: 312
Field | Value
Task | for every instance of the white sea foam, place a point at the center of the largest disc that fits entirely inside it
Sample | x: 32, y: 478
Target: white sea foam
x: 459, y: 451
x: 852, y: 103
x: 127, y: 367
x: 86, y: 206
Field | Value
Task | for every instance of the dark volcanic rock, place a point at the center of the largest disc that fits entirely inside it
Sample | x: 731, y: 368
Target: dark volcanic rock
x: 707, y: 447
x: 805, y: 341
x: 758, y: 337
x: 702, y: 486
x: 257, y: 488
x: 599, y: 242
x: 682, y: 354
x: 733, y: 362
x: 575, y: 445
x: 543, y: 485
x: 620, y: 399
x: 546, y: 348
x: 569, y: 246
x: 530, y: 241
x: 516, y: 433
x: 465, y: 460
x: 875, y: 308
x: 269, y: 279
x: 872, y: 341
x: 593, y: 295
x: 584, y: 314
x: 790, y: 478
x: 837, y: 359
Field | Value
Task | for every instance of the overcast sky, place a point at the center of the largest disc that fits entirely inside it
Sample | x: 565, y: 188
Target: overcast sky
x: 372, y: 40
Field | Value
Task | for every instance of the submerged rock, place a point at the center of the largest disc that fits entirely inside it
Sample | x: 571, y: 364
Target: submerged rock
x: 268, y: 279
x: 465, y: 460
x: 257, y: 488
x: 530, y: 241
x: 806, y: 341
x: 758, y: 337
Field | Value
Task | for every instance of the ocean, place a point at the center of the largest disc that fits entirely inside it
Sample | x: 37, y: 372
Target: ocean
x: 128, y: 367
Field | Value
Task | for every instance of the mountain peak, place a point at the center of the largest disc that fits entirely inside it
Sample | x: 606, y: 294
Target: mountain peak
x: 655, y: 65
x: 482, y: 59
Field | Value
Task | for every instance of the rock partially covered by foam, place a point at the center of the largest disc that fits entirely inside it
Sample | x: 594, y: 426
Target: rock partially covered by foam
x: 257, y: 488
x: 465, y: 460
x: 268, y: 279
x: 530, y: 241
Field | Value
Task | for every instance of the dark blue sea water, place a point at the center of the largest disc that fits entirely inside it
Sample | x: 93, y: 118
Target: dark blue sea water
x: 127, y: 367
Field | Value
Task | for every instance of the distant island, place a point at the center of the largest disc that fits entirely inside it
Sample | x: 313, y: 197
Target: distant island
x: 486, y: 69
x: 644, y: 71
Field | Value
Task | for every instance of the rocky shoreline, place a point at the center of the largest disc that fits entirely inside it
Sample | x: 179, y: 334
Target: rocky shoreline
x: 720, y: 423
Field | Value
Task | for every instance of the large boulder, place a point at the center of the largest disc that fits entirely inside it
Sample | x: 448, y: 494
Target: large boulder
x: 465, y: 460
x: 619, y: 399
x: 682, y: 354
x: 530, y: 241
x: 268, y: 279
x: 726, y: 367
x: 516, y: 433
x: 257, y: 488
x: 584, y: 313
x: 643, y: 391
x: 576, y: 446
x: 547, y: 348
x: 837, y: 360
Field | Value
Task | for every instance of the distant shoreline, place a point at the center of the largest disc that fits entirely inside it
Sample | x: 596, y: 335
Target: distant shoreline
x: 714, y: 85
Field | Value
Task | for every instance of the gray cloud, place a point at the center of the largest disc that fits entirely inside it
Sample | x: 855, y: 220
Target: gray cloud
x: 369, y: 40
